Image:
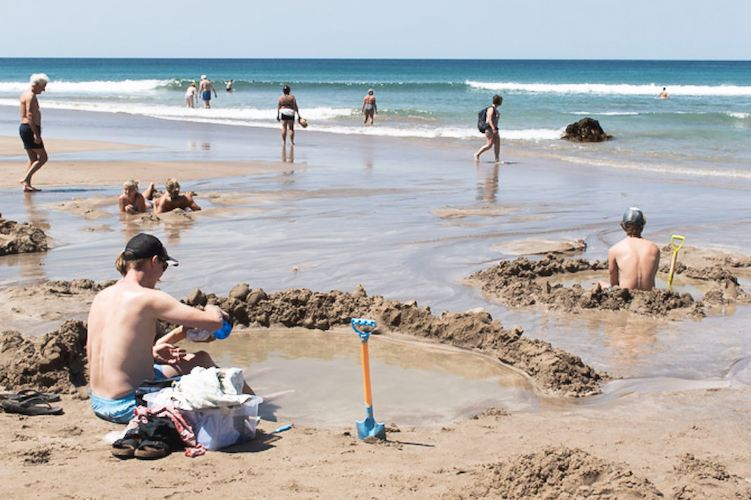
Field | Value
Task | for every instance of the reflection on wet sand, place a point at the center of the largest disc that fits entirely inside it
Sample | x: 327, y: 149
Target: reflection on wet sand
x: 291, y: 157
x: 487, y: 190
x: 35, y: 216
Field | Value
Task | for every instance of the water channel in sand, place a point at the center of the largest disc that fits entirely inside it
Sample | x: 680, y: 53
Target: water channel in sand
x: 406, y: 219
x: 414, y: 383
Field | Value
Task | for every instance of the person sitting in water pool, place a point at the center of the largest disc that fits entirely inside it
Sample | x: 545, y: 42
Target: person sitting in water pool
x: 633, y: 261
x: 172, y: 199
x: 122, y: 327
x: 133, y: 202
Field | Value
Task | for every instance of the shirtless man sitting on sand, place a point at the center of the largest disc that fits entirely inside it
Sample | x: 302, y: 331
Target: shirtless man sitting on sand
x: 172, y: 199
x: 633, y: 261
x: 122, y: 327
x: 133, y: 202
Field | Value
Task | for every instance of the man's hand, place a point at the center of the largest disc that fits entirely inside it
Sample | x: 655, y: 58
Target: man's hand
x: 220, y: 313
x: 167, y: 354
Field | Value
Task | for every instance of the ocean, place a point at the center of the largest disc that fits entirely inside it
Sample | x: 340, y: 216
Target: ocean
x: 703, y: 130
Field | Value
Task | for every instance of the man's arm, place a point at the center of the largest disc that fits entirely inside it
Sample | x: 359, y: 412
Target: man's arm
x: 167, y: 308
x: 375, y: 108
x: 212, y: 88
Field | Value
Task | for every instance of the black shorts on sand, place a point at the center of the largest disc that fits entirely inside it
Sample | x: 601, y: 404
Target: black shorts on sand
x: 27, y: 136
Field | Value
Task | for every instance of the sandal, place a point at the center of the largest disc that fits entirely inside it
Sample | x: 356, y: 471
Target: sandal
x: 151, y: 450
x: 30, y: 406
x: 25, y: 394
x: 125, y: 448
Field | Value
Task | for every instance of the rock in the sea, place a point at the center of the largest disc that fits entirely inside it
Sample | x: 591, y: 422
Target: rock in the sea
x: 586, y: 130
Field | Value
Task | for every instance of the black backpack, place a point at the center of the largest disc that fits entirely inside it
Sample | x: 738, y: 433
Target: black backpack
x: 482, y: 120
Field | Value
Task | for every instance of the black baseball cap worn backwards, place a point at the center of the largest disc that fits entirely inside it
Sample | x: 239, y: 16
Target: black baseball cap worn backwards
x: 144, y: 246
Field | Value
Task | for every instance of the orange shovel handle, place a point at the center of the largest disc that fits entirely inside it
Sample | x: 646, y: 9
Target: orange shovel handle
x: 366, y: 373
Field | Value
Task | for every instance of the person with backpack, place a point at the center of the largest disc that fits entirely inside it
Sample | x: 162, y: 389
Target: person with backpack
x: 487, y: 123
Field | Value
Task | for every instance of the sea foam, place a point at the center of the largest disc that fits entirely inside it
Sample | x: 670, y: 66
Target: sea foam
x: 613, y: 89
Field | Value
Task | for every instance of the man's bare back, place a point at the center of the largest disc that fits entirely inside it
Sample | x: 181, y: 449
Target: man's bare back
x: 633, y: 263
x: 122, y: 326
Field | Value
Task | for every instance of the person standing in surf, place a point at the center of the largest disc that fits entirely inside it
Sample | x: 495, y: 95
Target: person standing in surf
x: 369, y: 107
x: 205, y: 88
x: 285, y: 112
x: 491, y: 130
x: 31, y: 129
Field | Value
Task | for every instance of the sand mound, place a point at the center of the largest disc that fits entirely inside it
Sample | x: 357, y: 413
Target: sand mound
x: 542, y: 247
x: 705, y: 480
x: 88, y: 208
x: 521, y: 283
x: 55, y: 361
x: 20, y: 238
x: 557, y: 473
x: 554, y: 371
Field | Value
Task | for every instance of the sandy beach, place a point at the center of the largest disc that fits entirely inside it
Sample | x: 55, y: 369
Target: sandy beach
x: 660, y: 406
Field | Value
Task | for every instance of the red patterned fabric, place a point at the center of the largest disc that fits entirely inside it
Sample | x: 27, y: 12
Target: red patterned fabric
x: 192, y: 447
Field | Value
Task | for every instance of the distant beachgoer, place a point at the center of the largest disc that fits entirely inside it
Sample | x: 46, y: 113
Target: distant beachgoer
x: 122, y: 328
x: 31, y: 129
x: 633, y: 261
x: 191, y: 95
x: 663, y: 95
x: 491, y: 131
x: 172, y: 199
x: 229, y: 85
x: 285, y: 111
x: 205, y: 88
x: 369, y: 107
x: 131, y: 201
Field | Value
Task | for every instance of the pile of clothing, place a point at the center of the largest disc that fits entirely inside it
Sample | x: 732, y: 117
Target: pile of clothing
x: 205, y: 409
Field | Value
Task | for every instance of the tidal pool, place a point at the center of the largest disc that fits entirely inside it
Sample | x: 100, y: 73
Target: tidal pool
x: 414, y: 383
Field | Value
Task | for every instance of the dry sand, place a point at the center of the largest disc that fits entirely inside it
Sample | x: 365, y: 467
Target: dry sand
x: 680, y: 445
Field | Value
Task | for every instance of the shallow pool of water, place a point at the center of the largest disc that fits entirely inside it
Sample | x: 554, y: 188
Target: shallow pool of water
x: 414, y: 383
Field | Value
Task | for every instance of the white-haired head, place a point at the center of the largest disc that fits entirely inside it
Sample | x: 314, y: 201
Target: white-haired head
x: 39, y: 79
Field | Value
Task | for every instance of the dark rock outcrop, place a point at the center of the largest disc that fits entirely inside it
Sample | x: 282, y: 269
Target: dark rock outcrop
x: 586, y: 130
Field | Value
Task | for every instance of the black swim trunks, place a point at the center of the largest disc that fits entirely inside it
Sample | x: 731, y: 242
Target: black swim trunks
x: 27, y: 136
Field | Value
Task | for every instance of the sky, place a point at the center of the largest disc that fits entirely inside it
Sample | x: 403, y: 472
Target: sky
x: 384, y: 29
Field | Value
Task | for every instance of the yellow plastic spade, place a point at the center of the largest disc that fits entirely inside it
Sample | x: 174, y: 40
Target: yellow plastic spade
x: 675, y: 257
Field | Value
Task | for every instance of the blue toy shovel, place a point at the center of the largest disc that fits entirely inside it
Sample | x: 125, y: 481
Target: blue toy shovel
x: 367, y: 427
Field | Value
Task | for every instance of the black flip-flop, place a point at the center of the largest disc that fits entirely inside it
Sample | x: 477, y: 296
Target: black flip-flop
x: 151, y: 450
x: 125, y: 447
x: 25, y: 394
x: 31, y: 406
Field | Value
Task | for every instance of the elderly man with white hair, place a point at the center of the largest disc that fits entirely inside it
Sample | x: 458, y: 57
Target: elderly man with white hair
x: 31, y: 128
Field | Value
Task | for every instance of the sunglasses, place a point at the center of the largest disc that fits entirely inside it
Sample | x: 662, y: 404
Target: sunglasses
x: 164, y: 263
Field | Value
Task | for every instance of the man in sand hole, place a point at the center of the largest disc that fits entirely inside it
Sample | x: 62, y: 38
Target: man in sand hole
x: 633, y: 261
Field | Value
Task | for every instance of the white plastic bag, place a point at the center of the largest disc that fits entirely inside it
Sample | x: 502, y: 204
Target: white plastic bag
x: 217, y: 428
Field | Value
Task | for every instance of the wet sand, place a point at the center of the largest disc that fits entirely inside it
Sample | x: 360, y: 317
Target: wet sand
x: 408, y: 223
